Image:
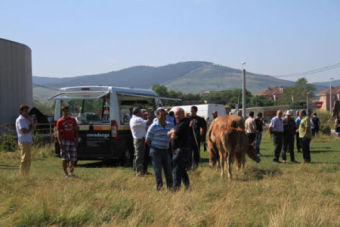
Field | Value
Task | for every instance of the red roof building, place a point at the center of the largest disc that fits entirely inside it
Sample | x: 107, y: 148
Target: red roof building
x: 274, y: 94
x: 324, y: 97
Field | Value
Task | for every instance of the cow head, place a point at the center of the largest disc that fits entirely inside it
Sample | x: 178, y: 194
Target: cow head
x: 252, y: 154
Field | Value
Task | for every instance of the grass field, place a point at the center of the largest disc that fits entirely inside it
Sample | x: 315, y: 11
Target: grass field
x: 262, y: 194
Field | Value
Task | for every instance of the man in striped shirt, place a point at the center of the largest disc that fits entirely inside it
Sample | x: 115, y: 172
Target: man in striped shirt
x: 158, y: 140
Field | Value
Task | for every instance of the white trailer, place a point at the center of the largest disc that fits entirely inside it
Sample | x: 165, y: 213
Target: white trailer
x: 204, y: 110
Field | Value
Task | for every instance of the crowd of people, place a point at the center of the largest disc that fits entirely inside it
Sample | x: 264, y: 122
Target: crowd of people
x: 284, y: 130
x: 173, y: 140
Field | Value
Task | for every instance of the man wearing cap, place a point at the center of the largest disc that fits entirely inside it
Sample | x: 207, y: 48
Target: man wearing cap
x: 289, y: 130
x: 215, y: 114
x: 276, y: 132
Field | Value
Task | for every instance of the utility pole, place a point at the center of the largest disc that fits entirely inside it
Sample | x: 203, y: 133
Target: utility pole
x: 244, y: 90
x: 330, y: 94
x: 307, y: 103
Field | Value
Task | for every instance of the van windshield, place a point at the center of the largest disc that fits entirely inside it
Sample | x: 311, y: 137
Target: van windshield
x: 88, y: 111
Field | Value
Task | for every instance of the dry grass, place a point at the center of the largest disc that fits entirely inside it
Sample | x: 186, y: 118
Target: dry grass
x: 262, y: 195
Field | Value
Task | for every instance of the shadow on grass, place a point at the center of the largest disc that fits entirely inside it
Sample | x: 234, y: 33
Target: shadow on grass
x: 5, y: 166
x: 100, y: 164
x: 255, y: 173
x: 321, y: 151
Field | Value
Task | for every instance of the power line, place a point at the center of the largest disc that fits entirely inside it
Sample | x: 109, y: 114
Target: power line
x: 313, y: 71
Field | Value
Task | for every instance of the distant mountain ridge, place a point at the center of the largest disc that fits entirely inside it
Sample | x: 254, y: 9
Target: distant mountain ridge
x: 187, y: 77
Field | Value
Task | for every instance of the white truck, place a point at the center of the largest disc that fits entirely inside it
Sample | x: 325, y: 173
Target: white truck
x: 205, y: 110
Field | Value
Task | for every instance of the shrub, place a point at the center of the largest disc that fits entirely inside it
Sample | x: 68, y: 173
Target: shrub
x: 325, y: 129
x: 8, y: 142
x: 326, y: 121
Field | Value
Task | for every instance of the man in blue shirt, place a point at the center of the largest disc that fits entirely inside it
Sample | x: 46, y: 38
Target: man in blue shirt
x: 297, y: 122
x: 158, y: 140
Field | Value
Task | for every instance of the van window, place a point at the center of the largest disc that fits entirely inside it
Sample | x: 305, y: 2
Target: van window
x: 127, y: 103
x: 88, y: 111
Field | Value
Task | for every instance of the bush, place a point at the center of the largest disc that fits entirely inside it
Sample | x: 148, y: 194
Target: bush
x: 8, y: 142
x: 325, y: 118
x: 325, y: 129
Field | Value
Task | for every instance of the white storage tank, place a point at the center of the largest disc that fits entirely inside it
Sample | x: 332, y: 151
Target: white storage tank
x: 15, y: 79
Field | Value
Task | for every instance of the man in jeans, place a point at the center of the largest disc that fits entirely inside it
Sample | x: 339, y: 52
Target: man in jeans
x: 276, y: 132
x: 24, y: 127
x: 138, y: 129
x: 67, y: 136
x: 158, y: 141
x: 305, y: 133
x: 181, y: 136
x: 259, y: 127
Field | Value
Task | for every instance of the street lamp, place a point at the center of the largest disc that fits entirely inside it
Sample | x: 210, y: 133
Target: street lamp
x: 243, y: 89
x: 330, y: 93
x: 307, y: 107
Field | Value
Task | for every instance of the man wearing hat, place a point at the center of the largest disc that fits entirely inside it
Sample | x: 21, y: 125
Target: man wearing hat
x: 289, y: 130
x: 215, y: 114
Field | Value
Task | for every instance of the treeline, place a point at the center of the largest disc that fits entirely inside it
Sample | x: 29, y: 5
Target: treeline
x: 225, y: 97
x: 295, y: 96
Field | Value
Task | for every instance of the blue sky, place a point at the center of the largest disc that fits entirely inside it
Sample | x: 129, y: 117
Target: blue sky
x: 70, y: 38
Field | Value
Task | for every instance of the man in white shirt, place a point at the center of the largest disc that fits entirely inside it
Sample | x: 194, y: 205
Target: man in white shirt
x: 138, y: 128
x: 24, y: 127
x: 250, y: 127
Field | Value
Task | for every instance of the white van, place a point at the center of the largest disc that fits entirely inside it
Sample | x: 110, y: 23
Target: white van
x: 204, y: 110
x: 103, y: 115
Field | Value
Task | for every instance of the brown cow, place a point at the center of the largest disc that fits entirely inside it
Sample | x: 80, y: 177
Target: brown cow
x: 227, y: 139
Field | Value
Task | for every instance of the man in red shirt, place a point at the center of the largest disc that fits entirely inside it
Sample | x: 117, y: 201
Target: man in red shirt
x: 67, y: 136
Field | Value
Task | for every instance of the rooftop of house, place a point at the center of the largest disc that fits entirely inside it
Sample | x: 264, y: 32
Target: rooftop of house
x: 335, y: 90
x: 271, y: 92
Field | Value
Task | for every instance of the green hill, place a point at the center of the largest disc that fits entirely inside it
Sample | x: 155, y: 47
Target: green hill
x: 192, y: 76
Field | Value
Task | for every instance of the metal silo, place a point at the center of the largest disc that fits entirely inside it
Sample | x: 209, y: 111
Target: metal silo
x: 15, y: 79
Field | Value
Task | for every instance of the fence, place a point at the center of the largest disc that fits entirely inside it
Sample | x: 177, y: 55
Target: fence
x: 45, y: 131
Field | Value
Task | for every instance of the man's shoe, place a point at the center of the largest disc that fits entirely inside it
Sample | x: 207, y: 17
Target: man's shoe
x: 296, y: 162
x: 276, y: 162
x: 284, y: 161
x: 147, y: 173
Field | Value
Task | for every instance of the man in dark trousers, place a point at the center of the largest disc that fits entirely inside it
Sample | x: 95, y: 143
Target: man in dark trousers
x: 316, y: 123
x: 181, y: 141
x: 259, y: 127
x: 198, y: 128
x: 297, y: 122
x: 305, y: 133
x: 276, y: 132
x: 289, y: 130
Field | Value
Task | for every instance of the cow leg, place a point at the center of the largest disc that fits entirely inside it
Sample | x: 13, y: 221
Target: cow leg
x: 222, y: 158
x: 230, y: 163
